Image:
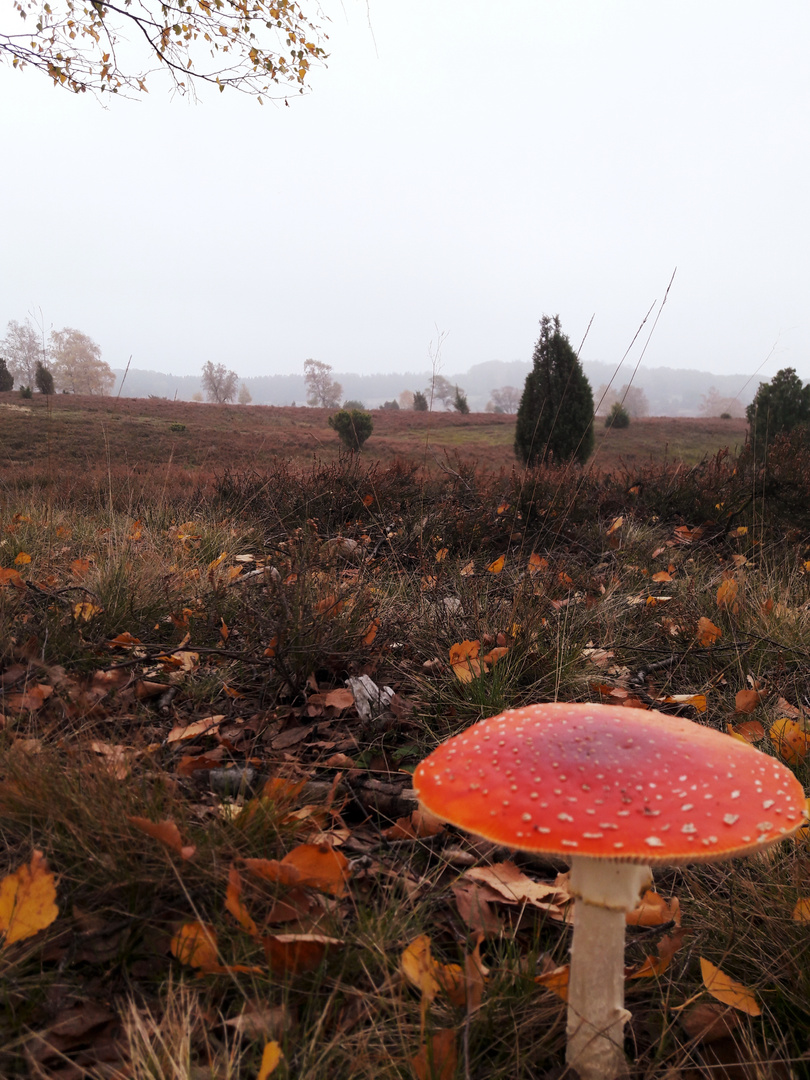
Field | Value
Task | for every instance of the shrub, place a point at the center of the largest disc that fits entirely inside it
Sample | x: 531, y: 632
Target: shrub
x: 460, y: 403
x: 391, y: 405
x: 353, y: 403
x: 6, y: 378
x: 43, y: 379
x: 352, y: 427
x: 26, y: 392
x: 618, y: 417
x: 420, y: 402
x: 555, y: 416
x: 725, y: 416
x: 779, y: 406
x: 177, y: 427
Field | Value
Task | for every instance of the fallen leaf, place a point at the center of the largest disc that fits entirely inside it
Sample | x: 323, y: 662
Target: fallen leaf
x: 31, y: 700
x: 789, y: 740
x: 294, y: 954
x: 209, y: 725
x: 437, y: 1060
x: 654, y: 910
x: 537, y: 563
x: 555, y: 980
x: 496, y: 566
x: 750, y: 731
x: 22, y: 558
x: 727, y: 593
x: 9, y: 576
x: 745, y: 701
x: 166, y: 832
x: 27, y: 900
x: 233, y: 903
x: 515, y: 887
x: 319, y: 866
x: 708, y: 633
x: 271, y: 1056
x: 195, y: 944
x: 728, y: 990
x: 617, y: 524
x: 707, y: 1021
x: 801, y: 912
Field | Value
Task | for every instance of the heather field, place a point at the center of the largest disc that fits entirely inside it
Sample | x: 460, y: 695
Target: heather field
x: 224, y: 648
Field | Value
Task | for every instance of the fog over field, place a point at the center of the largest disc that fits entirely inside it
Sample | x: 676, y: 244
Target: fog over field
x: 455, y: 171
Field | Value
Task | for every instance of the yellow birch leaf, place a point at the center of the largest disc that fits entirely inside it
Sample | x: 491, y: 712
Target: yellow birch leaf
x: 22, y: 559
x: 497, y: 566
x: 556, y: 980
x: 86, y: 611
x: 790, y: 740
x: 617, y: 524
x: 196, y: 945
x: 271, y: 1056
x: 27, y: 900
x: 728, y: 990
x: 441, y: 554
x: 801, y: 913
x: 727, y: 593
x: 419, y: 967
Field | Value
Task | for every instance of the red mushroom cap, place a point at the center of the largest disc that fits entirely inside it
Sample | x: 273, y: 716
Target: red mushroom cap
x: 612, y: 783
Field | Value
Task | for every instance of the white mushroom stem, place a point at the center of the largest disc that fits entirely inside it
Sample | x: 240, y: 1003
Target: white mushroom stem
x: 605, y: 891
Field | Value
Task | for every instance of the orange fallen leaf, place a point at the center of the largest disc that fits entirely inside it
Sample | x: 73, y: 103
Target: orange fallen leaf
x: 654, y: 910
x: 661, y: 576
x: 294, y: 954
x: 371, y: 632
x: 555, y: 980
x: 22, y: 558
x: 166, y: 832
x: 728, y: 990
x: 85, y: 611
x: 727, y: 593
x: 195, y: 944
x: 233, y: 903
x: 537, y: 563
x: 616, y: 524
x: 496, y: 566
x: 271, y: 1056
x: 339, y: 699
x: 27, y: 900
x: 209, y: 725
x: 319, y: 867
x: 654, y: 966
x: 751, y: 731
x: 707, y: 633
x: 123, y: 641
x: 790, y: 740
x: 745, y: 701
x: 9, y: 576
x: 438, y: 1059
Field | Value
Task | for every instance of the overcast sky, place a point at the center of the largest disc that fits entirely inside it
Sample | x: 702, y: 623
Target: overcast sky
x: 458, y: 169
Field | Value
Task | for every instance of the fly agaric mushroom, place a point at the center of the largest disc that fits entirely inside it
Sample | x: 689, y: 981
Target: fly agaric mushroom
x: 613, y: 790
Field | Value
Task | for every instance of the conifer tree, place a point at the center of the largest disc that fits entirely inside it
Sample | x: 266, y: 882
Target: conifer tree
x: 780, y: 405
x: 6, y: 378
x: 555, y: 416
x: 43, y: 379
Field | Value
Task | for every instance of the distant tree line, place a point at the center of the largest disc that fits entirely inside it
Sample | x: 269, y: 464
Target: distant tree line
x: 67, y: 360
